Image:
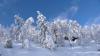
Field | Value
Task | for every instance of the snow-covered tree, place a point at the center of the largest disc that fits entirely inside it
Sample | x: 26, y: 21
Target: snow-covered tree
x: 5, y: 36
x: 21, y: 28
x: 29, y: 28
x: 27, y: 31
x: 18, y: 23
x: 58, y: 29
x: 42, y: 26
x: 44, y: 36
x: 73, y: 31
x: 95, y: 32
x: 1, y: 33
x: 86, y: 35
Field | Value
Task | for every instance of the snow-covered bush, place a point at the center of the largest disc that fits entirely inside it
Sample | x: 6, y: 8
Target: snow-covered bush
x: 26, y: 44
x: 8, y: 43
x: 48, y: 43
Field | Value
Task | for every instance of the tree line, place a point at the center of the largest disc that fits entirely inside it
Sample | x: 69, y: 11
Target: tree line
x: 57, y: 33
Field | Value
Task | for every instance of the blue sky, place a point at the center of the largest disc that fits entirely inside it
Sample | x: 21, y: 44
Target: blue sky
x: 84, y: 11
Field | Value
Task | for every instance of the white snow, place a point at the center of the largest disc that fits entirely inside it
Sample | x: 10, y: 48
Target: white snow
x: 35, y: 50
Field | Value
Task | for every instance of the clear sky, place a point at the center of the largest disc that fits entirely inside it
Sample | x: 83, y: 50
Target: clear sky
x: 84, y: 11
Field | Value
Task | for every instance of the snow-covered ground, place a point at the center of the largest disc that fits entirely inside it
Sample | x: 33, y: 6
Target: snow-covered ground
x: 35, y: 50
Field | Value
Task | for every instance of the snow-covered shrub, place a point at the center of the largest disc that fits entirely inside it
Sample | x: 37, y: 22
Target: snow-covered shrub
x: 48, y: 43
x: 8, y: 43
x: 25, y: 44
